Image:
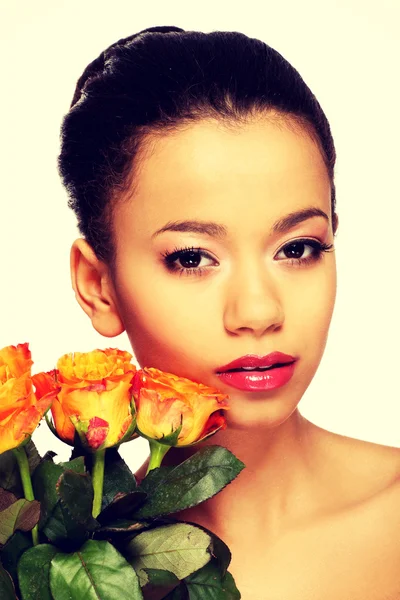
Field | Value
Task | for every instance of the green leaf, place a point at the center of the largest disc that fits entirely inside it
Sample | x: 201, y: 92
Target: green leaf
x: 118, y: 478
x: 122, y: 506
x: 179, y: 548
x: 77, y: 465
x: 117, y: 530
x: 179, y: 593
x: 45, y: 479
x: 33, y: 456
x: 159, y: 584
x: 56, y: 521
x: 7, y: 590
x: 33, y: 572
x: 76, y: 493
x: 208, y: 583
x: 16, y: 514
x: 97, y: 571
x: 154, y: 478
x: 13, y: 550
x: 123, y: 525
x: 10, y: 478
x: 219, y: 550
x: 44, y: 487
x: 196, y: 479
x: 49, y: 455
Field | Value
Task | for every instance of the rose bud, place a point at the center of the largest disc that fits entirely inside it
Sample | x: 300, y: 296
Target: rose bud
x: 176, y: 411
x: 94, y: 398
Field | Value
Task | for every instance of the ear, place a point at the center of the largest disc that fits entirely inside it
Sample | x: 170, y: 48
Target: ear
x: 94, y: 289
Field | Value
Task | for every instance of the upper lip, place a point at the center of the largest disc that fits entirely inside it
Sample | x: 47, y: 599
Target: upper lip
x: 253, y: 360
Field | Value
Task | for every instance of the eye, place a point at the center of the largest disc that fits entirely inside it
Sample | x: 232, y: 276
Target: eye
x: 190, y: 258
x: 296, y: 248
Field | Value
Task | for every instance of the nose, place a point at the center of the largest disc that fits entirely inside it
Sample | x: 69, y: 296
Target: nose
x: 253, y: 303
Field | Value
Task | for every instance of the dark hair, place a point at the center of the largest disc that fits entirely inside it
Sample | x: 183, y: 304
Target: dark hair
x: 158, y: 81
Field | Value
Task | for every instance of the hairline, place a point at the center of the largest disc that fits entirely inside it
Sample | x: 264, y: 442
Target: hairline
x: 146, y: 138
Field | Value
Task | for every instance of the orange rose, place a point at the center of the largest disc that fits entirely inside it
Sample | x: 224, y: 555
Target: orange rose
x: 176, y: 411
x: 93, y: 398
x: 20, y: 409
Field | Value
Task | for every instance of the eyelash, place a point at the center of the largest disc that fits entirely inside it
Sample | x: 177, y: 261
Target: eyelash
x: 171, y: 257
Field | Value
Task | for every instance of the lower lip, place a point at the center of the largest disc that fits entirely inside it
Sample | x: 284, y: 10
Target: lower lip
x: 258, y: 381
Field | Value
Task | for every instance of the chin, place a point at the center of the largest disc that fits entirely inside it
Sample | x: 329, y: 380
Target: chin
x: 258, y: 413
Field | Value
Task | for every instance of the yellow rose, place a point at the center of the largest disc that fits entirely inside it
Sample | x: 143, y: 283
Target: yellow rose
x: 176, y: 411
x: 20, y: 409
x: 94, y: 397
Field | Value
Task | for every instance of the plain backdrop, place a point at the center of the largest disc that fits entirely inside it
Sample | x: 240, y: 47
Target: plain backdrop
x: 348, y: 53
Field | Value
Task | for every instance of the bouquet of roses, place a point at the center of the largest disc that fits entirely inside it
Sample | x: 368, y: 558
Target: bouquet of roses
x: 87, y: 528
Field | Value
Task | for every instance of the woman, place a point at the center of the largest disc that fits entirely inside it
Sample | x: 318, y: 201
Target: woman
x: 201, y: 170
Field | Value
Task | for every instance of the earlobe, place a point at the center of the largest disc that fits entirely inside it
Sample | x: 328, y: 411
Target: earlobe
x: 93, y: 288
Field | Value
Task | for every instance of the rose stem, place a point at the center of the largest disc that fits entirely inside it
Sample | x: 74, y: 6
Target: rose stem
x: 157, y: 453
x: 23, y: 465
x: 98, y: 479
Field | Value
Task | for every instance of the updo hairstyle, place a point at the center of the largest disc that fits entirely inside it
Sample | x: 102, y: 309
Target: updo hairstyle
x: 157, y: 82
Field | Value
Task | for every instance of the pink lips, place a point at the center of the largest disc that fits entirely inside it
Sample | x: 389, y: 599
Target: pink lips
x: 257, y: 381
x: 252, y: 360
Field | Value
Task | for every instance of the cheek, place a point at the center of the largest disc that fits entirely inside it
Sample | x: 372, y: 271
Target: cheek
x: 313, y: 306
x: 162, y: 324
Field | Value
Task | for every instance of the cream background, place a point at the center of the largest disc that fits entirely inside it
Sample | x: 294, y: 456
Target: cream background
x: 348, y: 53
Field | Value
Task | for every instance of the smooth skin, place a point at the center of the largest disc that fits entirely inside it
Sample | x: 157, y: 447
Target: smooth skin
x: 305, y: 492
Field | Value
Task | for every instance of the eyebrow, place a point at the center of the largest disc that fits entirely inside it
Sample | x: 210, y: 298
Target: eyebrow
x: 219, y: 231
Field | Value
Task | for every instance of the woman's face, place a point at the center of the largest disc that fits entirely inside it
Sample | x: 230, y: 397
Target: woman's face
x: 242, y: 294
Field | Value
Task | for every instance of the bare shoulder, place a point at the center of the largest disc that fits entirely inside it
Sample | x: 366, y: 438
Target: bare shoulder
x: 372, y: 514
x: 360, y: 537
x: 364, y: 468
x: 380, y: 461
x: 385, y: 486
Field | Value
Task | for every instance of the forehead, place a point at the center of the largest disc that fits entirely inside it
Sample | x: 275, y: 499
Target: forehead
x: 209, y: 169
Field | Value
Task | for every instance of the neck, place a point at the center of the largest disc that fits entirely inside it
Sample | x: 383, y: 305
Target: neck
x: 278, y: 483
